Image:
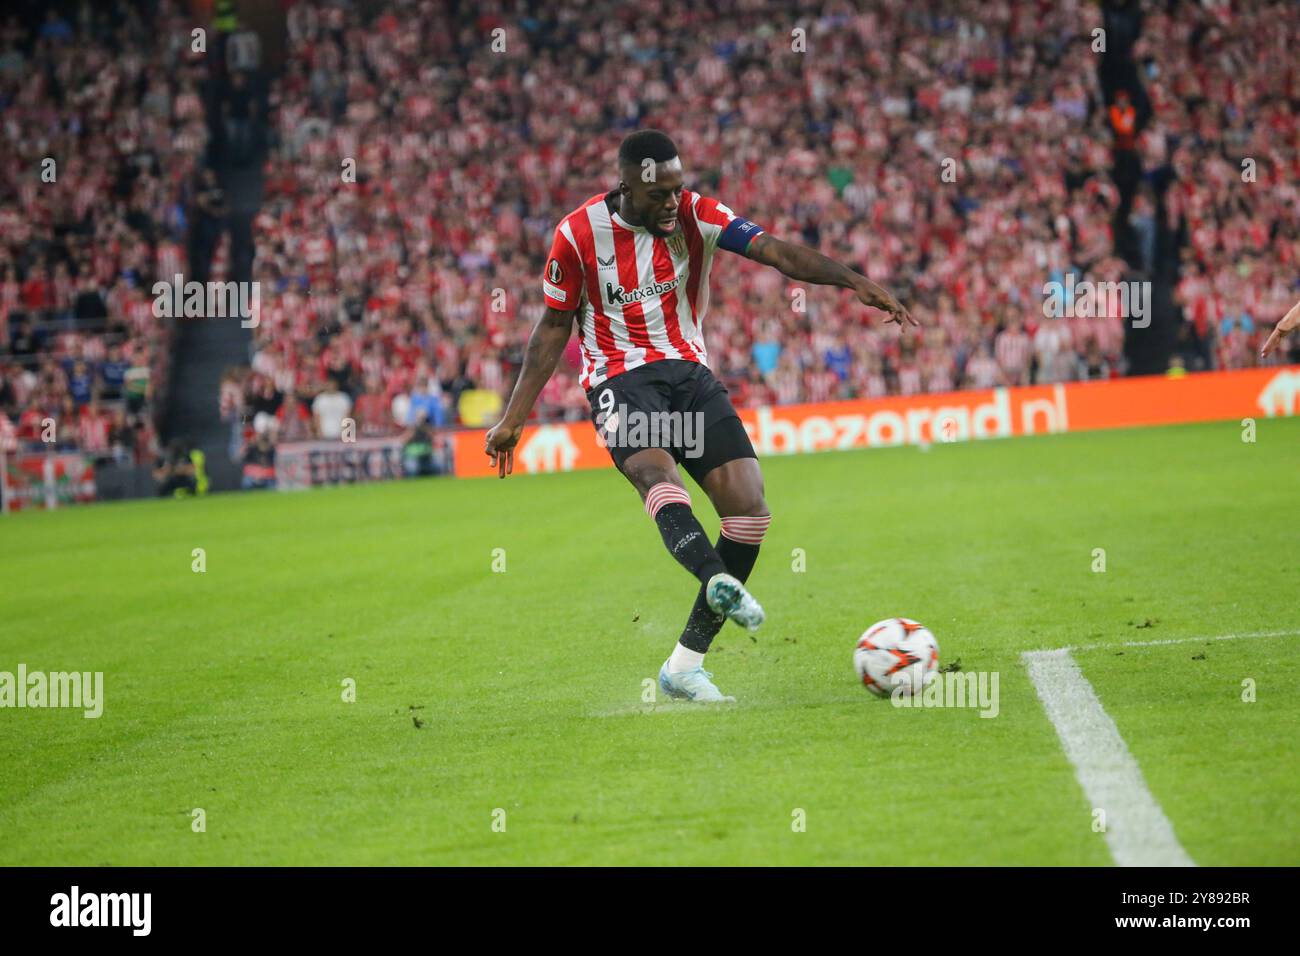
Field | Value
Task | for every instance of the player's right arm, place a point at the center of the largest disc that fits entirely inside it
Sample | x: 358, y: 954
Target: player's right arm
x: 562, y: 292
x: 545, y: 346
x: 1288, y: 322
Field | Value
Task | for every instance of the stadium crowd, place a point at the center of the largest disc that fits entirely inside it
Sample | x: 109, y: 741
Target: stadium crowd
x: 100, y: 131
x: 422, y: 275
x: 959, y: 154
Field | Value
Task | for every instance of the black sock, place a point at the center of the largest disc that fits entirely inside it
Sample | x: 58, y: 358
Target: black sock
x: 738, y: 557
x: 687, y: 542
x: 703, y: 625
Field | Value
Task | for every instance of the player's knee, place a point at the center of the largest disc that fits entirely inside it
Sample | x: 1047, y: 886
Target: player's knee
x: 662, y: 494
x: 647, y: 477
x: 645, y: 474
x: 749, y: 503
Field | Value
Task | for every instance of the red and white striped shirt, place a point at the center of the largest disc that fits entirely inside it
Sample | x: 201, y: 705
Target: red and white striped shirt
x: 1013, y: 349
x: 639, y: 298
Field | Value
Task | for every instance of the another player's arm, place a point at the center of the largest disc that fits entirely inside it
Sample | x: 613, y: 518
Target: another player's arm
x: 808, y: 265
x: 1285, y: 324
x: 545, y: 346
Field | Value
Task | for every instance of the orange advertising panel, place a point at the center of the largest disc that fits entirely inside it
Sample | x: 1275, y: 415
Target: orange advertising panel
x: 947, y: 416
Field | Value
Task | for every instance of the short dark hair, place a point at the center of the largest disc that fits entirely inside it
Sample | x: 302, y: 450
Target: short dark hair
x: 645, y: 144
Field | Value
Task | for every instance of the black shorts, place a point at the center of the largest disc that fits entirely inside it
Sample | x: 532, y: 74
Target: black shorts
x: 672, y: 404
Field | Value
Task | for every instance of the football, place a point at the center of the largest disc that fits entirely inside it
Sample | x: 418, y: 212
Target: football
x: 896, y: 653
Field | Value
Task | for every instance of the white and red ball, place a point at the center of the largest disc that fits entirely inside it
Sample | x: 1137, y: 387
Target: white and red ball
x: 896, y: 653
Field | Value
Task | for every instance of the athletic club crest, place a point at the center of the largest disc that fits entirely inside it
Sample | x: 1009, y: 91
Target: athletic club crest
x: 677, y: 245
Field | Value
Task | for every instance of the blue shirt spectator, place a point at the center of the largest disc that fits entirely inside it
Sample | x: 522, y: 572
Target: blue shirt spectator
x: 1247, y: 325
x: 112, y: 372
x: 80, y: 383
x: 429, y: 401
x: 766, y: 355
x: 55, y: 27
x: 839, y: 360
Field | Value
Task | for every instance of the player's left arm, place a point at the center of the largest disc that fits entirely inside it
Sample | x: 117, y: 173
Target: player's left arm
x: 808, y: 265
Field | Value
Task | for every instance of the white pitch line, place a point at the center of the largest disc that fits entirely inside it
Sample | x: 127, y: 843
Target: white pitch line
x: 1174, y: 640
x: 1137, y: 831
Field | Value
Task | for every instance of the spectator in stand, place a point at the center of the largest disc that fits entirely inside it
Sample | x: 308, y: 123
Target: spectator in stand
x: 1013, y: 350
x: 983, y: 370
x: 89, y: 307
x: 1054, y: 352
x: 231, y: 409
x: 427, y: 402
x: 1093, y: 365
x: 122, y: 437
x: 66, y: 419
x: 81, y: 383
x: 93, y: 426
x: 259, y: 456
x: 329, y: 409
x: 339, y: 371
x: 766, y: 350
x: 373, y: 412
x: 295, y: 420
x: 112, y: 374
x: 263, y: 396
x: 135, y: 383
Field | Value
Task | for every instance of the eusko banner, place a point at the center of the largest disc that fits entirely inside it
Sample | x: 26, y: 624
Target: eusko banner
x: 945, y: 416
x: 307, y: 464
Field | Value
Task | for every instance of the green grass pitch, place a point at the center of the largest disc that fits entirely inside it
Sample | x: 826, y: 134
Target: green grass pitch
x: 224, y: 689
